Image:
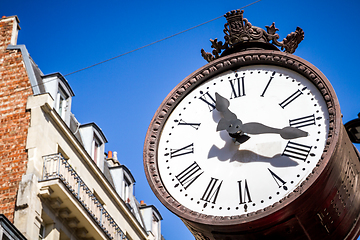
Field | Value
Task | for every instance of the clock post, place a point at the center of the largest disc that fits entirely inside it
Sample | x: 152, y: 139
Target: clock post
x: 252, y: 145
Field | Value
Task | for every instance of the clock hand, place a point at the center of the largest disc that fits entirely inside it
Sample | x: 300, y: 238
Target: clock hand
x: 285, y: 133
x: 236, y: 128
x: 229, y: 122
x: 222, y: 105
x: 239, y: 137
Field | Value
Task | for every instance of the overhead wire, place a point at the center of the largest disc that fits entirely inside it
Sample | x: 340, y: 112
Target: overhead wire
x: 134, y: 50
x: 163, y: 39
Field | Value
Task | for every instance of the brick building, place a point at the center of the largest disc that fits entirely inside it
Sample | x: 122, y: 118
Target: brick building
x: 42, y: 150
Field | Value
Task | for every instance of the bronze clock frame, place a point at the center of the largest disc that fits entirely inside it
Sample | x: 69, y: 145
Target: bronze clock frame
x: 325, y: 206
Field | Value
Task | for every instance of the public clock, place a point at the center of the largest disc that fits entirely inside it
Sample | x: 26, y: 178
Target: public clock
x: 209, y: 172
x: 248, y: 145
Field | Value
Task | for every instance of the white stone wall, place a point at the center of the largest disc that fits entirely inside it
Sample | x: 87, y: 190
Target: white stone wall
x: 47, y: 134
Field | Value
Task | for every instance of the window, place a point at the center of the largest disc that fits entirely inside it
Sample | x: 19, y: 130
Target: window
x: 5, y: 237
x: 155, y: 226
x: 42, y: 232
x: 61, y: 102
x: 96, y: 149
x: 126, y: 190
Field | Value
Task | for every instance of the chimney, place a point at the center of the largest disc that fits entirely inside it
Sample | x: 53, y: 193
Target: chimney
x: 9, y: 26
x: 112, y: 159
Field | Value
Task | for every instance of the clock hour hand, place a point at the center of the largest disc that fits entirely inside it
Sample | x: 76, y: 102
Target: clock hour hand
x: 285, y: 133
x: 222, y: 105
x: 229, y: 122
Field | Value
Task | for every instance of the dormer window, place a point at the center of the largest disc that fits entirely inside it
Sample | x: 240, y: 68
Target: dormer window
x: 93, y: 141
x: 59, y: 89
x: 124, y: 182
x: 152, y: 218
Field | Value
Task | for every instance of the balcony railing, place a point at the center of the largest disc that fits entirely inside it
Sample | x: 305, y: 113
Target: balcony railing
x: 56, y: 167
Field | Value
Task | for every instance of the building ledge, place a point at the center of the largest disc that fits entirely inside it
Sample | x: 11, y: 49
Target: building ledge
x: 58, y: 198
x: 67, y: 194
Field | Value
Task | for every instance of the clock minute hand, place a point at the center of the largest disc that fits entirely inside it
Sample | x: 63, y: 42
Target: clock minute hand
x: 285, y: 133
x: 236, y: 128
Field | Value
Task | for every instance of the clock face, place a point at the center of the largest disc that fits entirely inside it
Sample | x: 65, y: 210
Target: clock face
x: 208, y: 172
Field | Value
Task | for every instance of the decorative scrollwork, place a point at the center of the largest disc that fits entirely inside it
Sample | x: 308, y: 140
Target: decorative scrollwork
x: 239, y: 30
x: 293, y: 39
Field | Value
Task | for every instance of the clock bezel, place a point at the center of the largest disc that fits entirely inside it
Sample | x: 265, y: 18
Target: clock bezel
x: 231, y: 62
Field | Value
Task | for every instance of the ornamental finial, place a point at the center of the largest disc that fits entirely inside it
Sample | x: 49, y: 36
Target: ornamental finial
x: 238, y: 30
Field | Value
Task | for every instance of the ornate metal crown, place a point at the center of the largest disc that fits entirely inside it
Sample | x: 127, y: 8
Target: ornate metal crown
x: 238, y: 30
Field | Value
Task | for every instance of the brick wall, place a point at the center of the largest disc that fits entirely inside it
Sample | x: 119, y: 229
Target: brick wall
x: 14, y: 120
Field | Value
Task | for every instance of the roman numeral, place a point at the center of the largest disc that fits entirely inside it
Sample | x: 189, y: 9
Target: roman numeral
x: 182, y: 122
x: 244, y: 193
x: 292, y: 97
x: 267, y: 85
x: 209, y: 100
x: 278, y: 180
x: 212, y: 191
x: 303, y: 121
x: 296, y: 150
x: 182, y: 151
x: 189, y: 175
x: 238, y: 87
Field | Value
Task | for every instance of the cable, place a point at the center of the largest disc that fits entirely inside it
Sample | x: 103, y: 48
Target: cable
x: 107, y: 60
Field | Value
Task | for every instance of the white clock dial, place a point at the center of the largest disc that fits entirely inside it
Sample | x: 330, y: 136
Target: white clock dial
x: 207, y: 172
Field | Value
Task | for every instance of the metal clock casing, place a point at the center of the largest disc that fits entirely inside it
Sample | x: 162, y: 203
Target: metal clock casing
x: 320, y: 203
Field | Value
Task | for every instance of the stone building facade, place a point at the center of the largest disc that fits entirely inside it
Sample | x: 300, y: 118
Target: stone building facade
x: 56, y: 182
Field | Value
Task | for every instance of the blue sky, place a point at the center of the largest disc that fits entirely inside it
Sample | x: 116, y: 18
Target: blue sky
x: 122, y: 95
